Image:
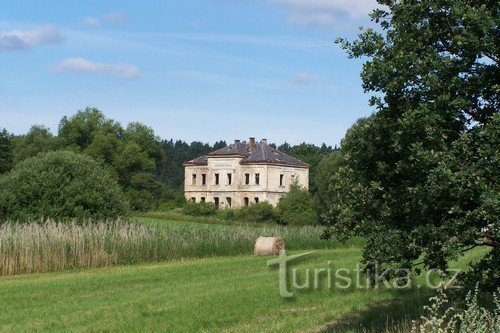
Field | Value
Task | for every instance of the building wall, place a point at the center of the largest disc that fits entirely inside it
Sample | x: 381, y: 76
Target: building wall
x: 268, y: 189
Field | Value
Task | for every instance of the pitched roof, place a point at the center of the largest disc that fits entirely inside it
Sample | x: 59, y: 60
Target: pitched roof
x: 261, y: 154
x: 237, y: 148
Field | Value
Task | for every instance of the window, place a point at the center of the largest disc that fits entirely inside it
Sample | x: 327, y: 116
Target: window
x: 216, y: 202
x: 202, y: 199
x: 216, y: 179
x: 203, y: 179
x: 257, y: 179
x: 246, y: 201
x: 193, y: 199
x: 193, y: 179
x: 247, y: 179
x: 282, y: 176
x: 256, y: 200
x: 228, y: 200
x: 229, y: 179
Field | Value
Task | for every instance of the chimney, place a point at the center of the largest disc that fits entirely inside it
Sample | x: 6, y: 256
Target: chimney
x: 251, y: 145
x: 263, y: 141
x: 236, y: 141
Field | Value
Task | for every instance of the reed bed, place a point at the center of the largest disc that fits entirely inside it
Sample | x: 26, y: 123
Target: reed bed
x: 52, y: 246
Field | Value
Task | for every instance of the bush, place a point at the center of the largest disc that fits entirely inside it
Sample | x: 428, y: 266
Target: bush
x: 259, y: 212
x: 199, y: 209
x: 144, y: 192
x: 296, y: 207
x: 171, y: 204
x: 60, y: 185
x: 441, y: 317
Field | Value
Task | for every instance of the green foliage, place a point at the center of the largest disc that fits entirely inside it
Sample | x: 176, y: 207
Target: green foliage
x: 6, y: 151
x: 39, y: 139
x: 259, y: 212
x: 326, y: 168
x: 179, y: 152
x: 85, y: 127
x: 199, y: 209
x: 61, y: 185
x: 134, y: 154
x: 442, y: 317
x: 310, y: 154
x: 296, y: 207
x: 419, y: 178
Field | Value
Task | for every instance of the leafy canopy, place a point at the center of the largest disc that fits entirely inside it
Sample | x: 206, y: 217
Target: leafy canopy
x: 296, y: 207
x: 419, y: 178
x: 60, y: 185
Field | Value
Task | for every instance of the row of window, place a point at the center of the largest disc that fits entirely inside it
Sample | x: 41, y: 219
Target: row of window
x: 229, y: 179
x: 246, y: 201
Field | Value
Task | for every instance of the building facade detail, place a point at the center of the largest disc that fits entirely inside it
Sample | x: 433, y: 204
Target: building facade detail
x: 241, y: 174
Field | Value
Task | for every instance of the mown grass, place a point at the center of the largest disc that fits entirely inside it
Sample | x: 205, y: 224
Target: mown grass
x: 226, y: 294
x: 50, y: 246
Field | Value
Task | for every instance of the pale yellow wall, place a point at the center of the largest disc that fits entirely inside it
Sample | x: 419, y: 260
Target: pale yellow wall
x: 268, y: 188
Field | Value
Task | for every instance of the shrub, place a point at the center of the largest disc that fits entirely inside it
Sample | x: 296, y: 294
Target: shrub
x: 259, y: 212
x: 296, y: 207
x: 199, y: 209
x: 144, y: 192
x: 472, y: 318
x: 62, y: 185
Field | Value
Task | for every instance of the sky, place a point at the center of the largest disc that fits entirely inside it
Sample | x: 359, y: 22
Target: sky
x: 204, y: 70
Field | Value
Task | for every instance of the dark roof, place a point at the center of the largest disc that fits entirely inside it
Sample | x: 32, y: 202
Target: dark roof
x: 237, y: 148
x: 261, y: 154
x: 202, y: 160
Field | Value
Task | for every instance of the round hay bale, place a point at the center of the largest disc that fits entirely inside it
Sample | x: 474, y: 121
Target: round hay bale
x: 269, y: 246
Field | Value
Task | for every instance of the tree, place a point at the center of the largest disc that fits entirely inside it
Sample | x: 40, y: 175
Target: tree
x: 179, y: 152
x: 134, y: 154
x: 60, y: 185
x: 326, y: 168
x: 419, y: 178
x: 296, y: 207
x: 39, y: 139
x: 5, y: 151
x: 310, y: 154
x: 80, y: 130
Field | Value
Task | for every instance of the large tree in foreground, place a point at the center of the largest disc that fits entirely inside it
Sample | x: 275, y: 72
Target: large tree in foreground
x: 419, y: 178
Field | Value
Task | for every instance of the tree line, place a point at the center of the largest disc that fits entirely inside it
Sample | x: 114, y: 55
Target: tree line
x: 148, y: 169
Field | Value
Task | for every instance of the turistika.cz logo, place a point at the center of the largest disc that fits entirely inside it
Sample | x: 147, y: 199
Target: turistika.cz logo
x: 345, y: 278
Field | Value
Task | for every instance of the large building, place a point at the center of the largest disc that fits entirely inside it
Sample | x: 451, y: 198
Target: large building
x: 243, y: 173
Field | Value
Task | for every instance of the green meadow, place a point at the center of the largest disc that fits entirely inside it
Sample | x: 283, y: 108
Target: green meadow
x: 227, y: 292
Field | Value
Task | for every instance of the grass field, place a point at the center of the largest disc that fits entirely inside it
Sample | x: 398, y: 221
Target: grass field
x: 229, y: 294
x: 46, y: 247
x: 233, y: 294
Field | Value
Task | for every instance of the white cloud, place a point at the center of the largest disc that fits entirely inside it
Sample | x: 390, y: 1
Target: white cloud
x: 81, y: 65
x: 92, y: 21
x: 25, y: 39
x: 324, y: 12
x: 112, y: 18
x: 306, y: 79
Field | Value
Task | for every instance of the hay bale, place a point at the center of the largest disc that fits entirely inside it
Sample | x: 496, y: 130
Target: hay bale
x: 269, y: 246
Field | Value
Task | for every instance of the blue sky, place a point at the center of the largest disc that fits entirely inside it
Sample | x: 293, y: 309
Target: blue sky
x: 193, y: 70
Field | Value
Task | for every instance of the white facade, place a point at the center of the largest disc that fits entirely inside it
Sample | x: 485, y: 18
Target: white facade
x: 229, y: 183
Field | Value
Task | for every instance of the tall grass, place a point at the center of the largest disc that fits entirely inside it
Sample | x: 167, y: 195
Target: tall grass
x: 51, y: 246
